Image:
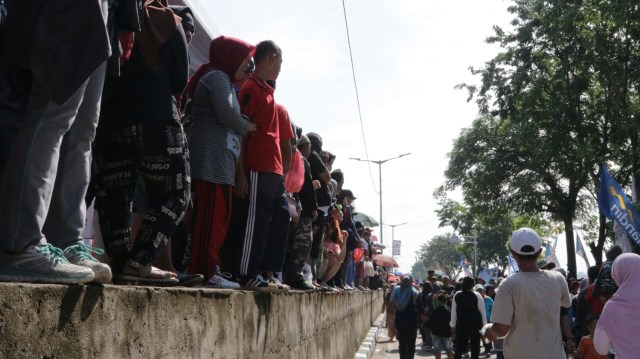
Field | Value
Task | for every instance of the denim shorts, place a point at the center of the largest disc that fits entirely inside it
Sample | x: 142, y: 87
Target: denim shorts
x: 442, y: 344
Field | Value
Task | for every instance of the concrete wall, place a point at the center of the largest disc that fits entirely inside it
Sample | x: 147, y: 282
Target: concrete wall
x: 54, y: 321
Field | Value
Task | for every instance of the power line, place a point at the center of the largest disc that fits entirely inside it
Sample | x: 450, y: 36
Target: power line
x: 355, y: 84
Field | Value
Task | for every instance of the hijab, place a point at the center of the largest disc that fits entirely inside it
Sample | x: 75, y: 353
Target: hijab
x: 157, y: 24
x: 225, y: 54
x: 620, y: 318
x: 404, y: 293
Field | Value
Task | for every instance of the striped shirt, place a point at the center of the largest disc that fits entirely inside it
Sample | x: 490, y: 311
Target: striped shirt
x: 216, y: 130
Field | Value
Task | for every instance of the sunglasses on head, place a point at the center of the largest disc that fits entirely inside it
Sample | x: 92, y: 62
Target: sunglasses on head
x: 250, y: 67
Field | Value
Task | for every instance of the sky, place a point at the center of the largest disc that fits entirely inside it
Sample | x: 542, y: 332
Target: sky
x: 408, y: 57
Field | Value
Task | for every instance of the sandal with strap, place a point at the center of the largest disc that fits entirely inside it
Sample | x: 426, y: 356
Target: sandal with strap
x: 135, y: 273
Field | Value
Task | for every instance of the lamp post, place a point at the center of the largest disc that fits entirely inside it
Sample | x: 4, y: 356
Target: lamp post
x: 379, y: 163
x: 393, y: 233
x: 456, y: 240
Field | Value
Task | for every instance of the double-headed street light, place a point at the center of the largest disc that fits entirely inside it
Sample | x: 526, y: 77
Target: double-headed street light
x: 456, y: 240
x: 379, y: 163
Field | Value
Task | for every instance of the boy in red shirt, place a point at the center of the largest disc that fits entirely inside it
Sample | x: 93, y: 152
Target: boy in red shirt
x: 260, y: 179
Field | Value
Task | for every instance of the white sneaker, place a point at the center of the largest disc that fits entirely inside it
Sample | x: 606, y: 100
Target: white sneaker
x: 275, y: 281
x: 222, y: 280
x: 42, y: 263
x: 82, y: 255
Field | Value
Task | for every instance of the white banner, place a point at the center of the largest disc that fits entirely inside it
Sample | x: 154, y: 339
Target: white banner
x: 396, y: 248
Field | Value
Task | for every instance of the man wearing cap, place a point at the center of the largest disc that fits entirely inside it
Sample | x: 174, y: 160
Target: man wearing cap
x: 525, y: 311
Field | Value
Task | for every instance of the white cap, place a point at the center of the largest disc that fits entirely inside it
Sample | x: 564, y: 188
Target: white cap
x: 525, y: 237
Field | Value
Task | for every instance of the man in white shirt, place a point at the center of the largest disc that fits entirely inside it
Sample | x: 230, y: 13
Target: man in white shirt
x: 527, y: 305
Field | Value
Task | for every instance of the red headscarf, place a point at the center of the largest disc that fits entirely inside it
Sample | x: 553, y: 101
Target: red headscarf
x: 225, y: 54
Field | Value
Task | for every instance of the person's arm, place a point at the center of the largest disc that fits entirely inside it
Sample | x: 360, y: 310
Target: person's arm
x: 454, y: 317
x: 222, y: 97
x: 497, y: 331
x: 285, y: 150
x: 481, y: 308
x: 601, y: 341
x: 502, y: 313
x: 565, y: 328
x: 285, y: 133
x: 177, y: 62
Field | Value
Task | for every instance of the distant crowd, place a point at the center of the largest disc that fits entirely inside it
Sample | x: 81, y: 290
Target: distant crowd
x: 535, y: 313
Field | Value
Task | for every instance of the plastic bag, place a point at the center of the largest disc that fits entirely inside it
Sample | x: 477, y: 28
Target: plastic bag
x: 368, y: 269
x: 358, y: 255
x: 295, y: 177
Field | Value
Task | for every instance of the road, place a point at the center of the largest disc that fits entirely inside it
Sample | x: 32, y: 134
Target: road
x: 389, y: 350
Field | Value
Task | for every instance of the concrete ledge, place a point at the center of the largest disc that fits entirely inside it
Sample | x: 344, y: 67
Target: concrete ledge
x: 368, y: 346
x: 55, y: 321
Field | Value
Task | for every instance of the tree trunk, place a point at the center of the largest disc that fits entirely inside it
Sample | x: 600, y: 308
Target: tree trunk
x: 571, y: 248
x: 596, y: 249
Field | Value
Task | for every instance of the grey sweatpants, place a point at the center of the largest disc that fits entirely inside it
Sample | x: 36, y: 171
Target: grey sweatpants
x: 47, y: 174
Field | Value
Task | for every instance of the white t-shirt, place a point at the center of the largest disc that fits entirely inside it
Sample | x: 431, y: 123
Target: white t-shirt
x: 529, y: 302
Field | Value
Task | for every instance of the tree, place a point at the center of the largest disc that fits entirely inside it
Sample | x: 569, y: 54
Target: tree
x: 419, y: 270
x: 548, y: 105
x: 440, y: 254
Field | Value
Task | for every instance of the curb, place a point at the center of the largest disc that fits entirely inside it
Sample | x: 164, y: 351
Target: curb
x: 368, y: 346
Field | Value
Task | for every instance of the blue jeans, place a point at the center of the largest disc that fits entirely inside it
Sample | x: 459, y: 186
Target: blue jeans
x: 351, y: 271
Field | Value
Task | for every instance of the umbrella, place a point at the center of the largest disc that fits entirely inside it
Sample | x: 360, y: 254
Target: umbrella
x: 365, y: 219
x: 385, y: 260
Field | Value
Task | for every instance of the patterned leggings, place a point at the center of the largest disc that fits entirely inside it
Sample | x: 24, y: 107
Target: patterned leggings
x: 158, y: 153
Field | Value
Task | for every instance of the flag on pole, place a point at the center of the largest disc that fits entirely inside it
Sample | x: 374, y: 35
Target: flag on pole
x: 513, y: 263
x: 465, y: 268
x: 615, y: 205
x: 580, y: 250
x: 550, y: 253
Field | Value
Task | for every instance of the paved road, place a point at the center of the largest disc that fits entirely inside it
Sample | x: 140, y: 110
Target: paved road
x: 389, y: 350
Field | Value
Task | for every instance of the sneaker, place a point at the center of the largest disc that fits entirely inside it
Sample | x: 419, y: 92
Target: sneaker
x: 301, y: 284
x: 42, y: 263
x: 222, y: 280
x: 257, y: 283
x: 82, y: 255
x: 275, y: 281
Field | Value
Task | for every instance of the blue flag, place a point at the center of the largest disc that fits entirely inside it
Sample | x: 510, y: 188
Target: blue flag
x: 513, y: 263
x: 615, y: 205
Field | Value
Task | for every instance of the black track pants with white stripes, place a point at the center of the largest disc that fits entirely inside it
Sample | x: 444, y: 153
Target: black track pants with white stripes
x: 261, y: 239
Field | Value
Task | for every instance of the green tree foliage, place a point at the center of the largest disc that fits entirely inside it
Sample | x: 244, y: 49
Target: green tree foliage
x: 561, y: 98
x: 440, y: 254
x: 419, y: 270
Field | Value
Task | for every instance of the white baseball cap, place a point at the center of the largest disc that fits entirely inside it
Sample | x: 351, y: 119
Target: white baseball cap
x: 525, y: 241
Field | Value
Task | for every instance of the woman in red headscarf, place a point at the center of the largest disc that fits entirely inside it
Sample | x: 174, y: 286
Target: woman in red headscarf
x: 215, y: 139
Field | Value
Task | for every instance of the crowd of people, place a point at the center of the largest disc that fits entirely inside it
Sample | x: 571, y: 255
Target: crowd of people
x: 535, y: 313
x: 195, y: 179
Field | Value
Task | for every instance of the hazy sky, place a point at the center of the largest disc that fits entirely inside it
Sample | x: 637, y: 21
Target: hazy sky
x: 408, y: 57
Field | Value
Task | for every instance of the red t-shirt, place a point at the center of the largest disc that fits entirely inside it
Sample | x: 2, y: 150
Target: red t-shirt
x: 588, y: 350
x: 262, y: 148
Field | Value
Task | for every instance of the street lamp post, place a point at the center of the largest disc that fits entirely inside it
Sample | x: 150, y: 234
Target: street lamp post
x: 456, y: 240
x: 393, y: 233
x: 379, y: 163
